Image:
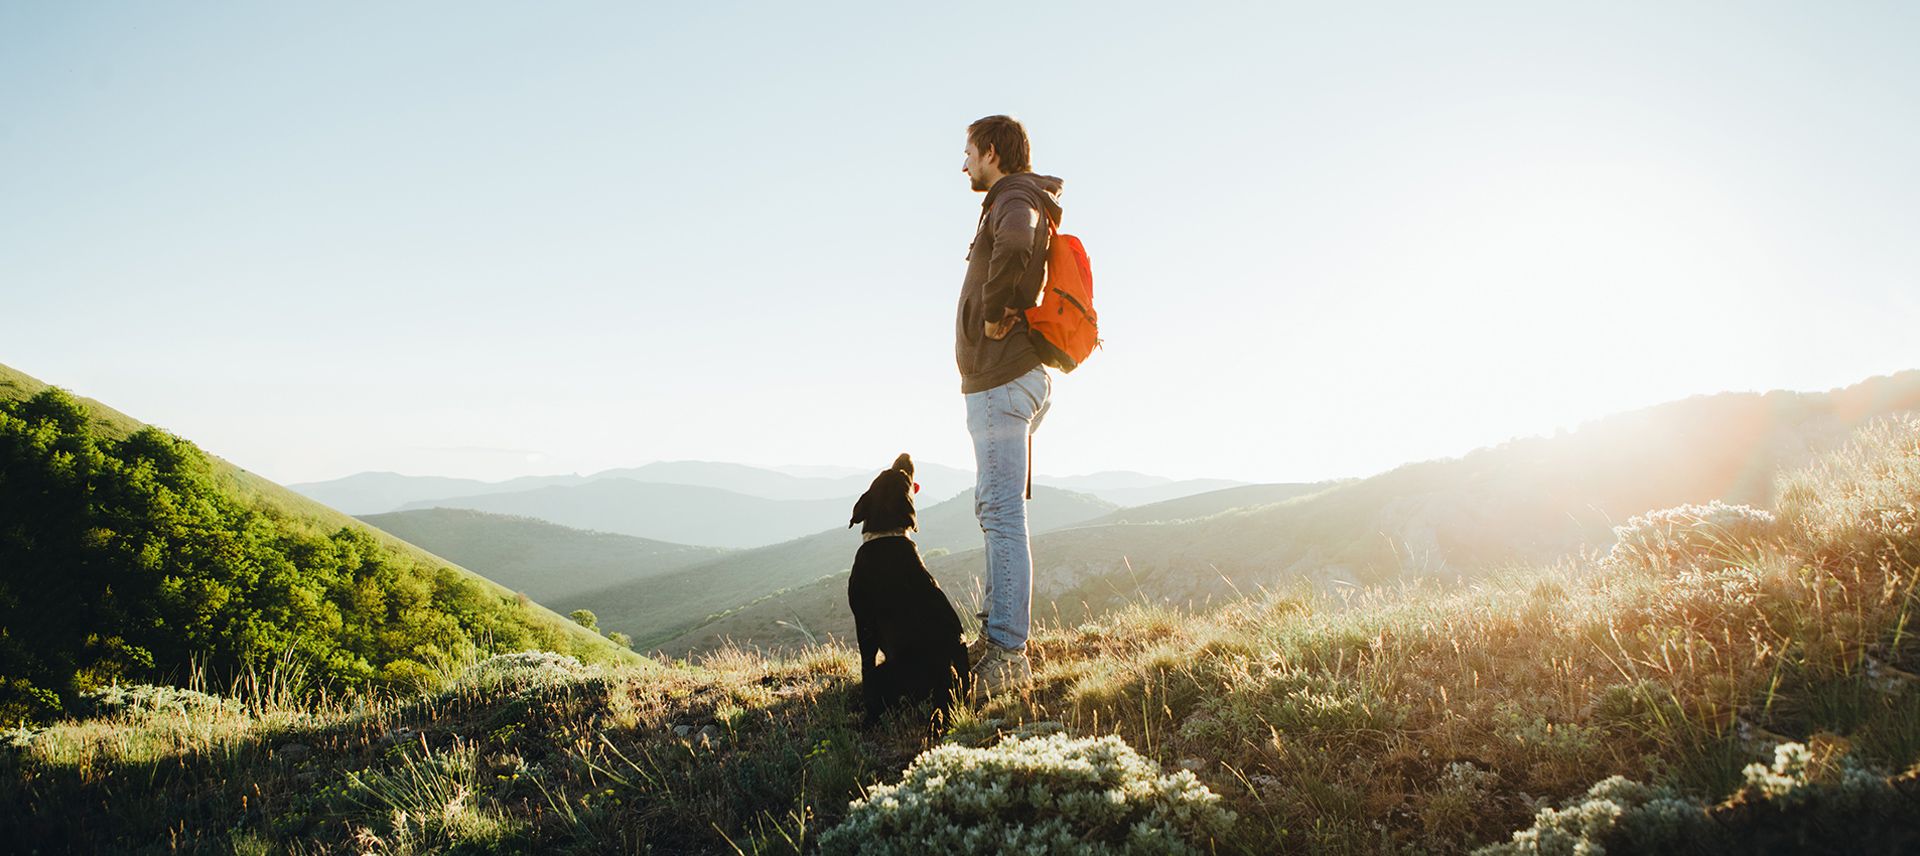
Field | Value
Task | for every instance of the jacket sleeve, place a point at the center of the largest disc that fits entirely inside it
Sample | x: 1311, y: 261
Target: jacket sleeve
x: 1014, y: 220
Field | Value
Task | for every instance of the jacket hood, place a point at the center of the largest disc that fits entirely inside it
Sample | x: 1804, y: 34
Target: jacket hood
x: 1045, y: 190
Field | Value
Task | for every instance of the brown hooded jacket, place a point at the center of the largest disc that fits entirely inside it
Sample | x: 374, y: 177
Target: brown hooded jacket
x: 1006, y: 267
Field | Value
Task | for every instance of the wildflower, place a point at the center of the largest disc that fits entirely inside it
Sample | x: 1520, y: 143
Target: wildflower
x: 1784, y: 781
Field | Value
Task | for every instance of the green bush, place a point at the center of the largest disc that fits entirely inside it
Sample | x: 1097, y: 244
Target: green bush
x: 1052, y: 794
x: 523, y: 669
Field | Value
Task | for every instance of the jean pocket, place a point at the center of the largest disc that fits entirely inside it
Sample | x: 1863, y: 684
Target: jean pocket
x: 1027, y: 393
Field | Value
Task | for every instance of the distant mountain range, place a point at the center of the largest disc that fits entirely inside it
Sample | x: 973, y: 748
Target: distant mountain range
x: 1210, y: 503
x: 1527, y: 501
x: 374, y: 493
x: 655, y: 591
x: 1130, y: 488
x: 684, y: 514
x: 662, y: 591
x: 701, y: 502
x: 552, y: 564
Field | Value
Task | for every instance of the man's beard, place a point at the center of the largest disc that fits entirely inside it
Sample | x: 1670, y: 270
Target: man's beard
x: 979, y: 184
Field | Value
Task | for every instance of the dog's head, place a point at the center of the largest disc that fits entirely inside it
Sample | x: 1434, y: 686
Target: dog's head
x: 888, y: 503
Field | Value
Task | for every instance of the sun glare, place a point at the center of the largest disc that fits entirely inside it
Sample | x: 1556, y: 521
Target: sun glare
x: 1589, y: 274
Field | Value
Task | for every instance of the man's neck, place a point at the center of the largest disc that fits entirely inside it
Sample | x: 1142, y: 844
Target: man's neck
x: 987, y: 196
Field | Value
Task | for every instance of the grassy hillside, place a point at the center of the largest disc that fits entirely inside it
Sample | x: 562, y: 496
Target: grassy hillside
x: 1748, y: 676
x: 669, y: 606
x: 126, y: 553
x: 1522, y: 503
x: 552, y: 564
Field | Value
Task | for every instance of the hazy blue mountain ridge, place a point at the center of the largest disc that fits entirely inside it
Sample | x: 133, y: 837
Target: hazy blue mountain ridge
x: 1526, y: 501
x: 374, y: 493
x: 667, y: 605
x: 550, y: 563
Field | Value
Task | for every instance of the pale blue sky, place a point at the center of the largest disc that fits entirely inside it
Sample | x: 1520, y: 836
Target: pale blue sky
x: 495, y: 239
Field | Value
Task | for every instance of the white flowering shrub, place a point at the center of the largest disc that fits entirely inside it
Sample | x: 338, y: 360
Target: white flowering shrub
x: 1692, y: 535
x: 524, y: 669
x: 1618, y: 811
x: 1049, y: 794
x: 1781, y: 808
x: 148, y: 700
x: 1786, y: 780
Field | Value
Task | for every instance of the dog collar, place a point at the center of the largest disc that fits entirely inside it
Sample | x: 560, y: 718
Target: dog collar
x: 890, y: 533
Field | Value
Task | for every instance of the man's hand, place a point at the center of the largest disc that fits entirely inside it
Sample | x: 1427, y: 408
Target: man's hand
x: 999, y: 330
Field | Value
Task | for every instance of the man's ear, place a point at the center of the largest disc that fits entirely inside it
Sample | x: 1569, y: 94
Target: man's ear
x: 991, y: 157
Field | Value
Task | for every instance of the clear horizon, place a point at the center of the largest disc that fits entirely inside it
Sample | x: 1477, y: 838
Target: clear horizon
x: 487, y: 241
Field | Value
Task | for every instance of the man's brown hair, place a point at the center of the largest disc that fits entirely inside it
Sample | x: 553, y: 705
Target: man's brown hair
x: 1006, y: 137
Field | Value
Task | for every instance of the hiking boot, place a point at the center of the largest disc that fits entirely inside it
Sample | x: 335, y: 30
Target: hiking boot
x: 975, y: 650
x: 1002, y: 670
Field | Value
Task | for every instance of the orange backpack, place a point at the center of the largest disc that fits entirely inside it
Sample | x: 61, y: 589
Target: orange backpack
x: 1065, y: 327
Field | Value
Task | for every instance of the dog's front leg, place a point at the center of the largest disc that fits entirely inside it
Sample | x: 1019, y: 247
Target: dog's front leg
x: 871, y: 678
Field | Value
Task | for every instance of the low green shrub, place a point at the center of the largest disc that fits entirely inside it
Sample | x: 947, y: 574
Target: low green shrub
x: 523, y: 669
x: 428, y: 800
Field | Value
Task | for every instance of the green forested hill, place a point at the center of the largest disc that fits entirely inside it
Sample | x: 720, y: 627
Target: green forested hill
x: 126, y: 553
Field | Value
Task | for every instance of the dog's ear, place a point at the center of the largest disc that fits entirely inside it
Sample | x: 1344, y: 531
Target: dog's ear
x: 870, y: 504
x: 904, y: 464
x: 859, y: 509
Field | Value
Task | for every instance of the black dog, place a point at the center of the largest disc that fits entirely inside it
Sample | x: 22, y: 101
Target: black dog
x: 898, y: 610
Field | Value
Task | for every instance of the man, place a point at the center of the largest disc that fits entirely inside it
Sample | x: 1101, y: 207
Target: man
x: 1007, y: 389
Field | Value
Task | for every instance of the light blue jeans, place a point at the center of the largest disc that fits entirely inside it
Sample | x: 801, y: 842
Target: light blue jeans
x: 1002, y: 421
